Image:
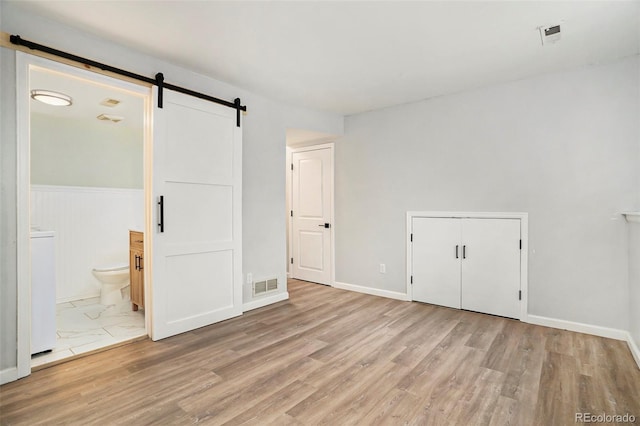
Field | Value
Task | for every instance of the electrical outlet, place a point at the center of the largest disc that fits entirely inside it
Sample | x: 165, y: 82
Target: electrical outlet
x: 383, y: 268
x: 249, y: 277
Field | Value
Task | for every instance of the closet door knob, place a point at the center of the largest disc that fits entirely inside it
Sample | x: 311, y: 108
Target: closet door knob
x: 464, y: 252
x: 457, y: 257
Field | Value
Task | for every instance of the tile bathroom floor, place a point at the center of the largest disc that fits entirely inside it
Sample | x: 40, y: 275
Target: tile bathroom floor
x: 85, y: 325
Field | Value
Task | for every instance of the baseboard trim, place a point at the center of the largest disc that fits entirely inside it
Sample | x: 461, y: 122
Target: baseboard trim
x: 372, y: 291
x: 633, y: 347
x: 596, y: 330
x: 75, y: 298
x: 8, y: 375
x: 264, y: 301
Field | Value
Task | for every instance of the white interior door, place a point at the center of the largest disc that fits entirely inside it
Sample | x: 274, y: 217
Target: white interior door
x: 197, y: 256
x: 437, y: 253
x: 312, y: 195
x: 491, y: 266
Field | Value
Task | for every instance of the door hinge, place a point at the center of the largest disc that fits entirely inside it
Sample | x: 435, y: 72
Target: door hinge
x: 291, y: 213
x: 292, y: 260
x: 519, y: 294
x: 520, y: 244
x: 411, y: 237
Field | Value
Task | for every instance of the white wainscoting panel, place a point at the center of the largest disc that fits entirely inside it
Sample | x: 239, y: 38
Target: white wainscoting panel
x: 92, y: 229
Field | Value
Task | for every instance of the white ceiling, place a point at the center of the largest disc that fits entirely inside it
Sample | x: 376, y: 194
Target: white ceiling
x: 86, y: 96
x: 353, y: 56
x: 297, y: 137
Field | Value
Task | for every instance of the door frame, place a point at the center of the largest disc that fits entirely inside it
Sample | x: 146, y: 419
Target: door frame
x: 291, y: 151
x: 24, y: 61
x: 524, y: 252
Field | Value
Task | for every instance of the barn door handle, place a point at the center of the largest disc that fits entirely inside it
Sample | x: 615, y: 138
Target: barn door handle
x: 457, y: 257
x: 161, y: 214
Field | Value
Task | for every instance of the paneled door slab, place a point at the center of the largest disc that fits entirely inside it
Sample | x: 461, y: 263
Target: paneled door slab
x: 197, y: 239
x: 491, y: 266
x: 436, y: 261
x: 311, y: 215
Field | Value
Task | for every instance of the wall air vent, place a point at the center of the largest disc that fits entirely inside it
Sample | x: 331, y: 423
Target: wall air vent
x: 272, y: 284
x: 265, y: 286
x: 550, y: 34
x: 110, y: 102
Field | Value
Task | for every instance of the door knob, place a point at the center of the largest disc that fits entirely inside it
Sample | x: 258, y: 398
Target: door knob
x: 326, y: 225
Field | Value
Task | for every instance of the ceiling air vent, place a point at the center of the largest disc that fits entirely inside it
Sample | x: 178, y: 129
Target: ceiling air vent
x: 109, y: 117
x: 110, y: 102
x: 550, y: 34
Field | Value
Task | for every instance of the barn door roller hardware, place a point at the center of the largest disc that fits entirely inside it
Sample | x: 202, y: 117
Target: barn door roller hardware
x: 158, y: 81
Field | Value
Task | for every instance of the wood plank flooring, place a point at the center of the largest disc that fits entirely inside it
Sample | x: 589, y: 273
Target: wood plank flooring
x: 329, y: 356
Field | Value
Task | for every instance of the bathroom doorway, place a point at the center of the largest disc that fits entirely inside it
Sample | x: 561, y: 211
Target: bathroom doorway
x: 86, y: 180
x: 309, y: 206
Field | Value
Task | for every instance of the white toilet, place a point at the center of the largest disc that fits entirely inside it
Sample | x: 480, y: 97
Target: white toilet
x: 113, y: 279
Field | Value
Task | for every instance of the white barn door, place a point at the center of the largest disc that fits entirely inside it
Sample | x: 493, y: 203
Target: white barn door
x: 197, y: 236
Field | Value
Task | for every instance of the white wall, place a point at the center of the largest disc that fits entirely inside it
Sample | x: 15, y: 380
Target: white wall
x: 8, y: 201
x: 264, y: 249
x: 634, y: 256
x: 562, y: 147
x: 634, y: 282
x: 92, y: 229
x: 83, y: 152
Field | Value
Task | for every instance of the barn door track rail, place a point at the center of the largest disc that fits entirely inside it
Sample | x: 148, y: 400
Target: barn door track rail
x: 158, y: 80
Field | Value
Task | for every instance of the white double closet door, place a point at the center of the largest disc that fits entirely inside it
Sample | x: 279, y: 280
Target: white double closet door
x: 471, y: 264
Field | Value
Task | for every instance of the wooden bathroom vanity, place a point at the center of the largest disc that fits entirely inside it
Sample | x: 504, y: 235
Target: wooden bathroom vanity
x: 136, y: 268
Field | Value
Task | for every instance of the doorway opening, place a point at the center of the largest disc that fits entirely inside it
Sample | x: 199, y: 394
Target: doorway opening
x: 310, y: 212
x: 83, y: 188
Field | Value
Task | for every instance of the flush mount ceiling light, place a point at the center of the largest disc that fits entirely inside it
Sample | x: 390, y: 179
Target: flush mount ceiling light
x: 51, y: 98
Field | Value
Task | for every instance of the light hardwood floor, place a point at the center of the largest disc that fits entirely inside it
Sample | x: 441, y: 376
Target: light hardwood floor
x: 335, y: 357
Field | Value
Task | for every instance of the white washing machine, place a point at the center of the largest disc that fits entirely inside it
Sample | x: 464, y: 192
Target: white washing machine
x: 43, y: 291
